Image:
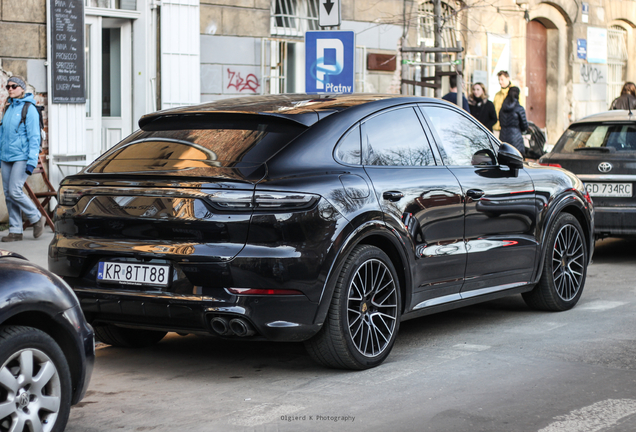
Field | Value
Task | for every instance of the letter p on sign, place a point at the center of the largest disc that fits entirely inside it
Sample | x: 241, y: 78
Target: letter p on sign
x: 329, y: 60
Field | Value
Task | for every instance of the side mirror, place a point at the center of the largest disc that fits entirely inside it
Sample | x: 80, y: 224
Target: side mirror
x: 509, y: 156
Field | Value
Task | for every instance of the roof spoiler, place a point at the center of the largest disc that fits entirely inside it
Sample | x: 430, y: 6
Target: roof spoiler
x: 305, y: 119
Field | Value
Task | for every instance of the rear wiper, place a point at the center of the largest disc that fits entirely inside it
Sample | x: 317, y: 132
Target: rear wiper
x: 601, y: 149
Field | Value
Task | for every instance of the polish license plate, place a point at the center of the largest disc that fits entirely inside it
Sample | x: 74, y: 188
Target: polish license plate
x: 133, y: 274
x: 618, y: 190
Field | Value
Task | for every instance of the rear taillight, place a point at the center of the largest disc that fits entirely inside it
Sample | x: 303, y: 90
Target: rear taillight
x: 70, y: 195
x: 231, y: 200
x: 262, y: 200
x: 550, y: 164
x: 283, y: 200
x: 587, y: 197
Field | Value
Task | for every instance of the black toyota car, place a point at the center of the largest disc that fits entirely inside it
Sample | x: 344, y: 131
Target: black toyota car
x: 327, y: 220
x: 601, y: 150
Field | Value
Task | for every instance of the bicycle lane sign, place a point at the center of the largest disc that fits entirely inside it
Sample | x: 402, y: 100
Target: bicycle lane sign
x: 329, y: 61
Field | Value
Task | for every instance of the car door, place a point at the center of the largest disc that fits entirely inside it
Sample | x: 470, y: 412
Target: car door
x: 421, y: 200
x: 500, y: 215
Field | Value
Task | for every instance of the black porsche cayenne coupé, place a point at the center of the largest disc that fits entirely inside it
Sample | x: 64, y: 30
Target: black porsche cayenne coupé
x: 327, y: 220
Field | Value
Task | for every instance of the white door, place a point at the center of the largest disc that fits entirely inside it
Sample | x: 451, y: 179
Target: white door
x: 93, y: 61
x: 180, y: 53
x: 109, y: 82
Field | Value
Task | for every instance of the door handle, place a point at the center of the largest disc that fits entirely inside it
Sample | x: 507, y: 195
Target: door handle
x: 392, y: 196
x: 475, y: 193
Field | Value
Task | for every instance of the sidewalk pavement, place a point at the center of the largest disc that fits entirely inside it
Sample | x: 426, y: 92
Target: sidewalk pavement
x: 35, y: 250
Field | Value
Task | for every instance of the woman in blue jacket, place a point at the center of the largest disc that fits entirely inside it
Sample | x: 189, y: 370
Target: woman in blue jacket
x: 19, y: 150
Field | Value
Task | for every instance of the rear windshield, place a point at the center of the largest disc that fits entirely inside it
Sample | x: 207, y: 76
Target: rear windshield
x: 601, y: 136
x: 216, y: 143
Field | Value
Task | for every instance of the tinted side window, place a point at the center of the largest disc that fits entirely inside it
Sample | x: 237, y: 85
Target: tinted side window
x: 348, y: 149
x: 459, y: 138
x: 395, y: 138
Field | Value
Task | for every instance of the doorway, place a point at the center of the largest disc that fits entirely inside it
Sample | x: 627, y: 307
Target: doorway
x: 109, y: 82
x: 536, y: 72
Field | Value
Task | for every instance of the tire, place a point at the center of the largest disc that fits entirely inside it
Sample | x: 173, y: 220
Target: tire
x: 35, y: 381
x: 564, y: 268
x: 364, y: 314
x: 127, y: 337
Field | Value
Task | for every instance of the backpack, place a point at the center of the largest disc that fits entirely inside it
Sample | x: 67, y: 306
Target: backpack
x: 25, y: 110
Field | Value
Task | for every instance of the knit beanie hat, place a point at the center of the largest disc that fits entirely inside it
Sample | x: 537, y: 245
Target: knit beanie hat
x: 19, y: 81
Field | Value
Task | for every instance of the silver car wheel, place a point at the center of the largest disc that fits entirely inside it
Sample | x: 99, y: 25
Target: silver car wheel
x: 372, y: 308
x: 30, y: 392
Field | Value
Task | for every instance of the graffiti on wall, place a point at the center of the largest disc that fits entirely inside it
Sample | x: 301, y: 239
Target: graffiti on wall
x: 241, y: 80
x: 593, y: 74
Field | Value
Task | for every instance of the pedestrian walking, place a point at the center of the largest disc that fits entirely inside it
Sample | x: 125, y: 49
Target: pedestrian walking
x: 480, y: 107
x: 512, y: 119
x: 451, y: 96
x: 500, y: 96
x: 19, y: 149
x: 627, y: 99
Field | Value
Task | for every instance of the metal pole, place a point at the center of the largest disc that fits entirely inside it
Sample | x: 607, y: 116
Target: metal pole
x: 460, y: 83
x: 405, y: 70
x: 437, y: 10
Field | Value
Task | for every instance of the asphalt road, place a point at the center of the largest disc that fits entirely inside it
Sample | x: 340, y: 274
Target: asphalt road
x: 493, y: 367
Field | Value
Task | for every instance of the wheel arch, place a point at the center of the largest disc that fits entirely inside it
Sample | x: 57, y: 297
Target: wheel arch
x: 580, y: 216
x: 388, y: 247
x: 62, y: 336
x: 577, y: 208
x: 374, y: 233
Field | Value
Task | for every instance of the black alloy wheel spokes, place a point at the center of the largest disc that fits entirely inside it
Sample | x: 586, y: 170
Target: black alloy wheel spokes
x: 568, y: 263
x: 372, y: 308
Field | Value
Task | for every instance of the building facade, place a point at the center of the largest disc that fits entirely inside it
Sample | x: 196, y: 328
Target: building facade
x: 570, y: 59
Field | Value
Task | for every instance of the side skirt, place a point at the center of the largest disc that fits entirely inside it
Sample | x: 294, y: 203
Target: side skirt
x: 451, y: 302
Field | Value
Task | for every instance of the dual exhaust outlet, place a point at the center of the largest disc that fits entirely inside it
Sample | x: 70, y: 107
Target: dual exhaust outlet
x: 228, y: 327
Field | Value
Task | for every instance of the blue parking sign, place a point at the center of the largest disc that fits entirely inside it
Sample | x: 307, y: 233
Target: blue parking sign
x: 329, y: 61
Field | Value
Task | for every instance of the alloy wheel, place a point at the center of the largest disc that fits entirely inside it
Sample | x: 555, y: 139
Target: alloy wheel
x: 30, y: 392
x: 568, y: 262
x: 372, y: 308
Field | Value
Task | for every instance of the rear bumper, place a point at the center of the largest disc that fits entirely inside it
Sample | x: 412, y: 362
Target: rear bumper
x: 276, y: 318
x: 615, y: 221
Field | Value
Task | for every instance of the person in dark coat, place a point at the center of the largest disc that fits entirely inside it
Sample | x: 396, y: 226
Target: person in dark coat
x: 512, y: 119
x: 451, y: 96
x: 481, y: 108
x: 627, y: 99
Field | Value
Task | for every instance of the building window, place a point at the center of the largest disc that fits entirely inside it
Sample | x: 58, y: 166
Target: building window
x: 290, y: 19
x: 616, y: 61
x: 426, y: 25
x: 112, y: 4
x: 293, y: 18
x: 426, y: 37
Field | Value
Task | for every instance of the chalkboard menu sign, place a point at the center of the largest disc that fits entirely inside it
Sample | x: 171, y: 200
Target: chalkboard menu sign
x: 67, y: 51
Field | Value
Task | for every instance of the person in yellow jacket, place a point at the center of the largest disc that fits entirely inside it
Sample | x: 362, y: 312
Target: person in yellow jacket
x: 504, y: 82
